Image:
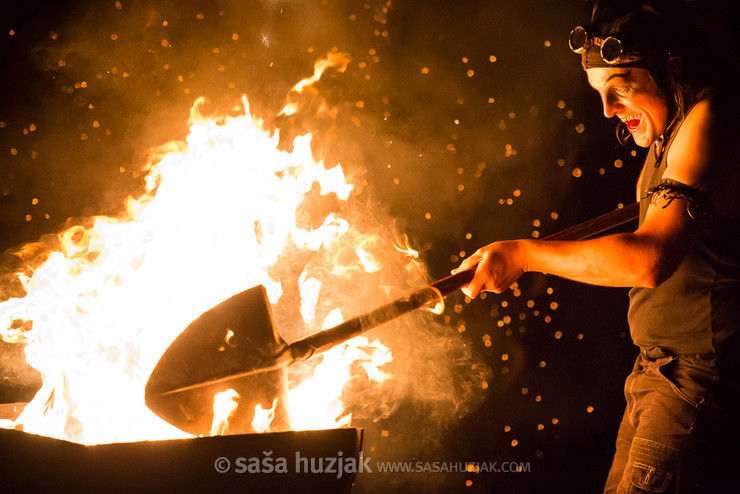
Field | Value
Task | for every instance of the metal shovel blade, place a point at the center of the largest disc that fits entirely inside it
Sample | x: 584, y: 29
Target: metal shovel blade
x: 233, y: 345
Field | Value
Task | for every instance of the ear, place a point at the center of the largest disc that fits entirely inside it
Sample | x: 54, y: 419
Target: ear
x: 675, y: 64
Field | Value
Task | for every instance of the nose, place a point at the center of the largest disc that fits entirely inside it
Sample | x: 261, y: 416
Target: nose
x: 611, y: 105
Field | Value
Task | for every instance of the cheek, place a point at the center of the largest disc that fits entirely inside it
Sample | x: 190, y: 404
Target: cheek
x: 660, y: 113
x: 654, y: 107
x: 657, y: 105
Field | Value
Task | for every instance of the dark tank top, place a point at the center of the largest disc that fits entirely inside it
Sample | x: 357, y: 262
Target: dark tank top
x: 697, y: 309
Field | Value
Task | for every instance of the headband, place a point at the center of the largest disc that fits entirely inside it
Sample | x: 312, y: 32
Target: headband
x: 592, y: 58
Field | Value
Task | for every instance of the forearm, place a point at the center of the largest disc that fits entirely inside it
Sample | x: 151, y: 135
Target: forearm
x: 614, y: 260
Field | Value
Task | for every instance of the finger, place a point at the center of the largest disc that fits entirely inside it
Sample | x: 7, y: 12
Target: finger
x: 477, y: 284
x: 462, y: 267
x: 467, y: 292
x: 467, y: 263
x: 472, y: 290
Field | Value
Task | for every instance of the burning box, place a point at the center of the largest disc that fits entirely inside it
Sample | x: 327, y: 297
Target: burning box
x: 323, y: 461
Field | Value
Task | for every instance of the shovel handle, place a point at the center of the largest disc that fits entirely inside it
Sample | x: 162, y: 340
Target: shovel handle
x: 323, y: 340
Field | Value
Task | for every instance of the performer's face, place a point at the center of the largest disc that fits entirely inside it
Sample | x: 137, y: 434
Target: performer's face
x: 631, y: 95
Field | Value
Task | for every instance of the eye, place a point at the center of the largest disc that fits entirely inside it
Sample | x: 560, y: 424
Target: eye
x: 622, y: 90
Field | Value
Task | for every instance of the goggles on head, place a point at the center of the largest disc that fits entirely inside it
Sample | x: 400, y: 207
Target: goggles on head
x: 611, y: 48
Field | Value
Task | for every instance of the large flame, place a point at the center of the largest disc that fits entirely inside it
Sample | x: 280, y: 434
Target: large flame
x: 219, y: 214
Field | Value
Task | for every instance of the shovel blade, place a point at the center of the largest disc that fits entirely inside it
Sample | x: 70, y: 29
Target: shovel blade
x: 234, y: 345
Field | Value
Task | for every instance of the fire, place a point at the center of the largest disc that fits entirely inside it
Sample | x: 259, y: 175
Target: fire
x: 224, y: 406
x: 338, y: 60
x: 220, y: 213
x: 367, y: 260
x: 263, y: 418
x: 320, y: 395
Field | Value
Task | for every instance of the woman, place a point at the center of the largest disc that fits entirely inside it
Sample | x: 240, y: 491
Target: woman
x: 679, y: 432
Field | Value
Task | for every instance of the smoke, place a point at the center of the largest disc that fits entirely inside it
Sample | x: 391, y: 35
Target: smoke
x: 433, y: 365
x: 209, y: 211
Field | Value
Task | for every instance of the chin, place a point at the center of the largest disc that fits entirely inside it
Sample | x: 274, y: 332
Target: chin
x: 642, y: 141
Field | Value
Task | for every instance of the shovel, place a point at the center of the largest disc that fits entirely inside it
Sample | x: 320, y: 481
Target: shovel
x: 236, y: 346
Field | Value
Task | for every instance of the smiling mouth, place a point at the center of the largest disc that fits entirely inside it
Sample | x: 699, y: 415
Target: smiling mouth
x: 631, y: 122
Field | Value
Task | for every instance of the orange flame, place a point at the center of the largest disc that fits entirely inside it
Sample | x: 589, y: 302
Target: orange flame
x: 337, y: 60
x: 104, y: 301
x: 224, y: 406
x: 263, y: 418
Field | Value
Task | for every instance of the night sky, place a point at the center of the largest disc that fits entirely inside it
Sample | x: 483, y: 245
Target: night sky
x: 468, y: 121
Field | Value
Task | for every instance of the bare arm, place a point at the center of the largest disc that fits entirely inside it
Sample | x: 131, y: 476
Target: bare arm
x: 643, y: 258
x: 646, y: 257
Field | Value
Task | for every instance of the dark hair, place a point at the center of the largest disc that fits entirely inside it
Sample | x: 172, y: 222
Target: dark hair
x: 662, y: 29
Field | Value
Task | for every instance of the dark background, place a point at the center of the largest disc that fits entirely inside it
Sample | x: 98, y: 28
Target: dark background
x: 459, y: 147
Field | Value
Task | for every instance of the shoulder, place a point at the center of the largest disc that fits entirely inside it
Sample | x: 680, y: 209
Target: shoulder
x: 705, y: 152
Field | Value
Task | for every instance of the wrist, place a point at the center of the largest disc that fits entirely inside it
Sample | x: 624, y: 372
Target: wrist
x: 522, y: 250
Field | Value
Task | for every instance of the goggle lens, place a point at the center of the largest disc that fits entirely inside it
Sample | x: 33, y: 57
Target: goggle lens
x: 612, y: 50
x: 579, y: 39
